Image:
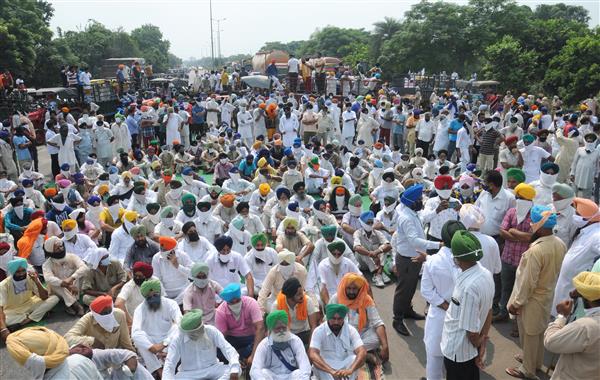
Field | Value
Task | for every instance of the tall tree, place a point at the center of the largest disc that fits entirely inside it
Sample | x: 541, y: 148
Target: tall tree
x: 153, y: 47
x: 383, y: 30
x: 333, y: 41
x: 509, y: 63
x: 563, y: 12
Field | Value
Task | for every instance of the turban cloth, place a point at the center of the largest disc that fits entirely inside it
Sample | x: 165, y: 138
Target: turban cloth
x: 138, y: 231
x: 242, y: 206
x: 26, y: 243
x: 471, y: 216
x: 227, y: 200
x: 340, y: 191
x: 336, y: 246
x: 51, y: 346
x: 388, y: 173
x: 587, y: 209
x: 15, y: 264
x: 150, y: 286
x: 335, y: 308
x: 231, y: 292
x: 138, y: 189
x: 290, y: 222
x: 126, y: 174
x: 564, y: 190
x: 103, y: 189
x: 64, y: 183
x: 191, y: 320
x: 525, y: 191
x: 39, y: 214
x: 223, y: 241
x: 379, y: 163
x: 353, y: 199
x: 49, y: 244
x: 443, y: 182
x: 298, y: 185
x: 587, y: 285
x: 542, y: 216
x: 68, y: 223
x: 549, y: 166
x: 466, y: 247
x: 262, y: 162
x: 329, y: 231
x: 528, y: 138
x: 143, y: 268
x: 101, y: 303
x: 76, y: 213
x: 264, y: 189
x: 258, y: 237
x: 199, y: 267
x: 214, y: 189
x: 167, y: 211
x: 412, y: 194
x: 167, y: 243
x: 188, y: 197
x: 335, y: 180
x: 51, y: 192
x: 152, y: 207
x: 367, y: 216
x: 449, y: 229
x: 276, y: 316
x: 238, y: 222
x: 516, y: 174
x: 362, y: 300
x: 203, y: 205
x: 281, y: 191
x: 511, y: 140
x: 287, y: 256
x: 130, y: 216
x: 93, y: 258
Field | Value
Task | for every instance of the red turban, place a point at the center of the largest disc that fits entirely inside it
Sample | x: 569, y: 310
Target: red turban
x: 4, y: 246
x: 146, y: 269
x: 167, y: 243
x: 37, y: 214
x: 101, y: 303
x: 443, y: 181
x: 511, y: 140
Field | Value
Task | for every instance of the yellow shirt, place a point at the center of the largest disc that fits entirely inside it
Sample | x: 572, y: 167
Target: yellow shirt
x: 87, y: 330
x: 108, y: 219
x: 17, y: 303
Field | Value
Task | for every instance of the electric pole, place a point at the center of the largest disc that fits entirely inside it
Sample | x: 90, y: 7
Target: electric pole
x: 212, y: 40
x: 219, y: 38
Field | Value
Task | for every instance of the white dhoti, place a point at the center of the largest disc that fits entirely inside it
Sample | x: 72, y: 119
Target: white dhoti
x: 217, y: 371
x: 270, y: 375
x: 64, y: 294
x: 151, y: 361
x: 434, y: 324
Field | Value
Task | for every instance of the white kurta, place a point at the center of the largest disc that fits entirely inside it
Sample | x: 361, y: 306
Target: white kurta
x: 267, y: 366
x: 289, y: 129
x: 122, y: 138
x: 245, y: 125
x: 584, y: 167
x: 174, y: 280
x: 104, y: 146
x: 66, y: 150
x: 173, y: 122
x: 120, y: 242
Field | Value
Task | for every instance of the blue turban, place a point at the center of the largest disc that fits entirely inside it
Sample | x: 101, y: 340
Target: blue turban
x: 187, y: 171
x: 536, y: 216
x: 549, y: 165
x: 378, y: 164
x: 339, y: 172
x: 27, y: 182
x: 412, y: 194
x: 367, y: 216
x: 65, y: 167
x: 113, y: 170
x: 231, y: 292
x: 19, y: 193
x: 16, y: 263
x: 282, y: 190
x: 293, y: 206
x: 287, y: 151
x: 93, y: 198
x: 223, y: 241
x: 234, y: 170
x: 471, y: 167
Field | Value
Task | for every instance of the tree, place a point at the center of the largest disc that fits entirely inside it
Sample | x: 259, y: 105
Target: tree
x: 509, y: 63
x: 90, y: 44
x: 563, y: 12
x: 575, y: 72
x: 332, y: 41
x: 383, y: 30
x: 359, y: 52
x: 152, y: 46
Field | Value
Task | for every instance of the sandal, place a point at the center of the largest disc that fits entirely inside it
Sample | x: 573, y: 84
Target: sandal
x: 518, y: 358
x: 515, y: 372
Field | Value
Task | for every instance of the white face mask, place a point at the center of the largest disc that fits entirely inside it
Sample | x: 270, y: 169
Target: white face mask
x: 334, y: 260
x: 365, y: 226
x: 562, y: 204
x: 71, y: 234
x: 234, y: 176
x: 27, y: 172
x: 466, y: 192
x: 590, y: 146
x: 19, y: 211
x: 523, y: 207
x: 388, y: 185
x: 223, y: 160
x: 164, y: 254
x: 284, y: 336
x: 107, y: 322
x: 140, y: 197
x: 175, y: 193
x: 154, y: 218
x: 168, y: 222
x: 203, y: 215
x: 28, y: 191
x: 224, y: 258
x: 113, y: 178
x: 286, y: 270
x: 390, y: 208
x: 65, y: 173
x: 201, y: 282
x: 548, y: 179
x: 355, y: 210
x: 59, y: 206
x: 235, y: 308
x: 444, y: 194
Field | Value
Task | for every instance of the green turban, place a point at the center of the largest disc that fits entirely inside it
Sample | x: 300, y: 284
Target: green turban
x: 564, y: 190
x: 329, y: 231
x: 138, y: 230
x: 138, y: 189
x: 336, y: 246
x: 528, y: 138
x: 152, y: 207
x: 187, y: 197
x: 199, y: 267
x: 149, y: 286
x: 466, y: 247
x: 353, y: 199
x: 335, y: 308
x: 191, y: 320
x: 274, y: 317
x: 166, y: 211
x: 449, y: 229
x: 516, y: 174
x: 258, y: 237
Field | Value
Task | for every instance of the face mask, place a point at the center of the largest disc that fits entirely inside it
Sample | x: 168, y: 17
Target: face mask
x: 167, y: 222
x: 223, y: 160
x: 164, y: 254
x: 153, y: 300
x: 523, y: 207
x: 590, y: 146
x: 19, y: 211
x: 388, y: 209
x: 334, y: 260
x: 234, y: 176
x: 113, y: 178
x: 355, y: 210
x: 196, y: 334
x: 281, y: 337
x: 562, y: 204
x: 444, y: 194
x: 235, y: 308
x: 175, y: 193
x: 578, y: 221
x: 548, y: 179
x: 365, y: 226
x: 286, y: 270
x: 388, y: 185
x: 140, y: 197
x: 71, y: 234
x: 139, y: 281
x: 154, y: 218
x: 105, y: 261
x: 224, y: 258
x: 417, y: 206
x: 321, y: 215
x: 27, y: 172
x: 201, y: 282
x: 19, y: 280
x: 59, y: 206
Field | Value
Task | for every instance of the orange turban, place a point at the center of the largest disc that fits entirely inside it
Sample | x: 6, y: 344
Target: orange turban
x: 587, y: 209
x: 362, y: 301
x: 101, y: 303
x: 50, y: 192
x: 227, y: 200
x: 167, y: 243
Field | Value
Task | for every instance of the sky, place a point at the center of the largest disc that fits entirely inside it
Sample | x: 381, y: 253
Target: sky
x: 246, y: 24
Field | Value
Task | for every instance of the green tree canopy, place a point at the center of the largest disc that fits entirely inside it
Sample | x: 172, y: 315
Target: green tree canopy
x: 563, y: 12
x: 154, y: 48
x: 510, y: 63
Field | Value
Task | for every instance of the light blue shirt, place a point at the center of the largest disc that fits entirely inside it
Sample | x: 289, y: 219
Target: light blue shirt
x: 410, y: 236
x: 132, y: 125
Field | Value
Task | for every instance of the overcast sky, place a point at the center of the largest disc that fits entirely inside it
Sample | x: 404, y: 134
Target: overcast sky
x: 248, y: 23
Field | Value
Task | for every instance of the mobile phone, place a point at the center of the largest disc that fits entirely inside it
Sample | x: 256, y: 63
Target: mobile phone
x: 451, y: 204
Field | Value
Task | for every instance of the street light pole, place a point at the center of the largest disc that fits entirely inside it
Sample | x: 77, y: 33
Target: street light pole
x: 219, y: 37
x: 212, y: 40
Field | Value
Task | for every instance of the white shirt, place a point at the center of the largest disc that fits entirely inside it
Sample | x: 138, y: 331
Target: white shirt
x: 469, y: 307
x: 226, y: 273
x: 152, y: 327
x: 436, y: 220
x: 81, y: 246
x: 174, y: 280
x: 130, y: 293
x: 335, y: 349
x: 199, y: 251
x: 491, y: 253
x: 328, y: 277
x: 425, y: 129
x: 463, y: 140
x: 260, y: 270
x: 494, y: 210
x: 199, y: 357
x: 295, y: 354
x: 410, y: 236
x: 209, y: 227
x: 532, y: 159
x: 120, y: 242
x: 293, y: 65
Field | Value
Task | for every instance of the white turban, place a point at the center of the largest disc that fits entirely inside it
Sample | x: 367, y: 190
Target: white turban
x: 471, y: 216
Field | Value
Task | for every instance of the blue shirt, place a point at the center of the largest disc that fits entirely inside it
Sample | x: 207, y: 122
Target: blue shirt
x: 272, y: 70
x: 197, y: 116
x: 132, y: 125
x: 12, y: 221
x: 399, y: 121
x: 22, y: 153
x: 455, y: 125
x: 247, y: 170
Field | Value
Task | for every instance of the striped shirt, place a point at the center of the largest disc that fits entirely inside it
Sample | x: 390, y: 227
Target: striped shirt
x: 488, y: 141
x: 471, y: 302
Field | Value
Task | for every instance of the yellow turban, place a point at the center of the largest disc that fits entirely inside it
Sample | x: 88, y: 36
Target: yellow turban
x: 256, y: 145
x: 37, y: 340
x: 290, y: 222
x: 103, y: 189
x: 264, y: 189
x: 130, y: 216
x: 262, y: 162
x: 357, y: 279
x: 525, y: 191
x: 126, y: 174
x: 587, y: 285
x: 68, y: 223
x: 335, y: 180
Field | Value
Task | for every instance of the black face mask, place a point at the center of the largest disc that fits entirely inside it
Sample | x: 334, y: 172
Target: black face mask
x: 193, y: 236
x: 542, y: 139
x: 141, y: 243
x: 59, y: 254
x: 417, y: 206
x: 139, y: 281
x: 19, y: 277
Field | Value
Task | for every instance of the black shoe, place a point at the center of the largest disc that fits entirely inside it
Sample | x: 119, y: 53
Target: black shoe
x: 414, y: 315
x: 400, y: 327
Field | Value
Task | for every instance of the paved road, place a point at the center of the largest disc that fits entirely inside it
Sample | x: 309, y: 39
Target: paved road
x: 407, y: 354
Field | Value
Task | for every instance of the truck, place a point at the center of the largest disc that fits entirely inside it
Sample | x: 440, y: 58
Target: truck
x: 263, y: 59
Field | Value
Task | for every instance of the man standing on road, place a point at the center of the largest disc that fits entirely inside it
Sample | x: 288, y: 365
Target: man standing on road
x: 293, y: 68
